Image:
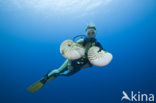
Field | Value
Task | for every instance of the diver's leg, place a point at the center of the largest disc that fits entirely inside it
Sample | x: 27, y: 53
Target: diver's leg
x: 65, y: 73
x: 56, y: 72
x: 49, y: 76
x: 69, y: 71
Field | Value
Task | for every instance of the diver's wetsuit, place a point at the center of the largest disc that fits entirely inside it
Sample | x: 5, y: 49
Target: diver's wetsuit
x: 71, y: 67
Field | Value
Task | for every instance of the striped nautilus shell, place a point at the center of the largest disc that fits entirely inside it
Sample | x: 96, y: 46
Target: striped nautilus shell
x: 99, y: 58
x: 71, y: 50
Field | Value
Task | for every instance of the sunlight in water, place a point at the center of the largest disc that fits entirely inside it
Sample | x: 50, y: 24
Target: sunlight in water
x: 61, y: 7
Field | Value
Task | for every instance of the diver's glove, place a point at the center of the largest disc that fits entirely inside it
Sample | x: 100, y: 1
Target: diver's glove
x: 71, y: 50
x: 99, y: 57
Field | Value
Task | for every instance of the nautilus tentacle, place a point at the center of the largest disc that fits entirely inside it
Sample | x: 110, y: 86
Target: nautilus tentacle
x: 99, y: 58
x: 71, y: 50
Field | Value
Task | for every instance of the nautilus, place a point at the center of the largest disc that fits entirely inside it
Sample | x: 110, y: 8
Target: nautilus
x: 99, y: 57
x: 71, y: 50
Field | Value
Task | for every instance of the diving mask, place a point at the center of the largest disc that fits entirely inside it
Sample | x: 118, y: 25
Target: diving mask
x: 91, y: 33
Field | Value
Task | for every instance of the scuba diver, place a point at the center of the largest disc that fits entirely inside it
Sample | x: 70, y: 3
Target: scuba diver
x: 83, y: 53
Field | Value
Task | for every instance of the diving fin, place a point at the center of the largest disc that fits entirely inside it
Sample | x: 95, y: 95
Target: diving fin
x: 51, y: 78
x: 39, y: 84
x: 35, y: 87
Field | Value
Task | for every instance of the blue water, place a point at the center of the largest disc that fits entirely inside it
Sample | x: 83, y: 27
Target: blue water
x: 31, y: 33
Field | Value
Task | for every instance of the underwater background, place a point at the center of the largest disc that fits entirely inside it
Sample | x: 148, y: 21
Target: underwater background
x: 31, y: 32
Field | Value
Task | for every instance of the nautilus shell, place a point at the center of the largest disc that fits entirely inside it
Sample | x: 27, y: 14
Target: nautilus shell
x: 71, y: 50
x: 99, y: 58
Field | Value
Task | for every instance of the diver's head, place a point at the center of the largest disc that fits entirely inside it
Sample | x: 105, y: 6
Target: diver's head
x: 90, y: 31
